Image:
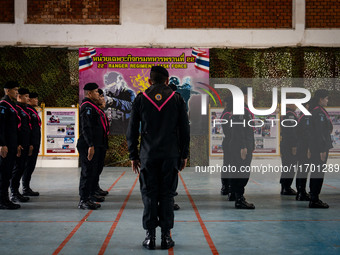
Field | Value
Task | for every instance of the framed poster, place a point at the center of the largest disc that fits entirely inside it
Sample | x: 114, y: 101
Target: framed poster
x: 266, y: 134
x: 334, y: 114
x: 60, y: 131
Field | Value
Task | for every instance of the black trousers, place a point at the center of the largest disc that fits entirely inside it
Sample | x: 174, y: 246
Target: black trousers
x: 225, y: 178
x: 158, y: 183
x: 6, y: 167
x: 317, y: 176
x: 19, y: 169
x: 302, y: 170
x: 288, y: 162
x: 240, y: 178
x: 30, y: 166
x: 100, y: 168
x: 88, y: 172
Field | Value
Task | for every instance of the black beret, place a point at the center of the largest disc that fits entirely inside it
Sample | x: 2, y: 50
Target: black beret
x: 33, y: 95
x: 11, y: 85
x: 101, y: 92
x: 161, y: 70
x: 90, y: 86
x: 23, y: 91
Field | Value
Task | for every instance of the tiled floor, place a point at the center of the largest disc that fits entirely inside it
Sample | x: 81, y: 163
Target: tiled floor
x: 206, y: 223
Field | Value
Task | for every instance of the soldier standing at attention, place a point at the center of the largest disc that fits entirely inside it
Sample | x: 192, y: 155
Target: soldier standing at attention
x: 241, y: 153
x: 288, y: 148
x: 165, y: 136
x: 97, y: 189
x: 9, y: 147
x: 90, y: 145
x: 321, y: 144
x: 35, y: 141
x: 304, y: 133
x: 24, y: 140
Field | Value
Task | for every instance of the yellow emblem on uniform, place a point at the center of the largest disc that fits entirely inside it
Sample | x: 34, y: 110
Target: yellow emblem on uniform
x: 158, y: 97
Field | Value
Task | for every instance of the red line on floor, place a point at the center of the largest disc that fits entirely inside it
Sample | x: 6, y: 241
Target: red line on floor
x: 330, y: 186
x: 205, y: 231
x: 116, y: 181
x: 171, y: 250
x: 255, y: 182
x: 68, y: 238
x: 114, y: 225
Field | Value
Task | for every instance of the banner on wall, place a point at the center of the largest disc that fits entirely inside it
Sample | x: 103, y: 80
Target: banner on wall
x: 266, y: 137
x: 122, y: 73
x: 61, y: 131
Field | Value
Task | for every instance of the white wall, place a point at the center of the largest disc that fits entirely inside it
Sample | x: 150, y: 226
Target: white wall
x: 143, y: 24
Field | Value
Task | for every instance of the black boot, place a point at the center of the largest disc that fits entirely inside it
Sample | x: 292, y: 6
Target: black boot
x: 302, y: 196
x: 87, y: 205
x: 17, y: 197
x: 318, y: 204
x: 29, y: 192
x: 8, y: 205
x: 176, y: 207
x: 287, y: 191
x: 167, y: 241
x: 97, y: 198
x: 231, y: 196
x: 150, y: 239
x: 100, y: 192
x: 241, y: 203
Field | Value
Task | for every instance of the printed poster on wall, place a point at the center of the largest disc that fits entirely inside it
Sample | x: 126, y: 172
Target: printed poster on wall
x: 266, y: 136
x: 61, y: 131
x: 334, y: 114
x: 122, y: 73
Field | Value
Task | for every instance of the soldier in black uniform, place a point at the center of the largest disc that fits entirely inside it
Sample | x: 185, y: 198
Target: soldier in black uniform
x: 35, y: 141
x: 241, y: 153
x: 288, y: 148
x: 90, y: 145
x: 98, y: 190
x: 164, y: 149
x: 25, y: 143
x: 304, y: 136
x: 226, y: 115
x: 321, y: 144
x: 9, y: 149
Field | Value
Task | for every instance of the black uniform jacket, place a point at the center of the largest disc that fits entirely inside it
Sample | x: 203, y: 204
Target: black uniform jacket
x: 322, y: 129
x: 9, y: 123
x: 242, y: 136
x: 26, y: 126
x: 289, y: 133
x: 304, y: 135
x: 36, y: 125
x: 92, y: 126
x: 165, y: 131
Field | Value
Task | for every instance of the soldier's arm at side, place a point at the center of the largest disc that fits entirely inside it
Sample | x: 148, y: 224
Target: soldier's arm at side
x: 184, y: 132
x: 132, y: 134
x: 86, y: 125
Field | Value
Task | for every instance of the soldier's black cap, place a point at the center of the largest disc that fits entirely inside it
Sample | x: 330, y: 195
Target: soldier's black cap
x: 33, y: 95
x: 101, y: 92
x: 90, y: 86
x: 161, y: 70
x: 11, y: 85
x: 23, y: 91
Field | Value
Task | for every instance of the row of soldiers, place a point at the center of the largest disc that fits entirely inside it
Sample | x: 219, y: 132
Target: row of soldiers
x: 20, y: 135
x: 302, y: 146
